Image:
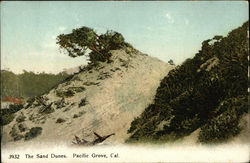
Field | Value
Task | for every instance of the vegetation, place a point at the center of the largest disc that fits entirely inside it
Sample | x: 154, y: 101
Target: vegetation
x: 79, y: 114
x: 7, y: 118
x: 22, y: 127
x: 171, y: 62
x: 82, y: 40
x: 207, y: 92
x: 28, y: 84
x: 14, y: 133
x: 20, y: 118
x: 226, y: 125
x: 66, y: 93
x: 60, y: 120
x: 7, y: 115
x: 34, y: 132
x: 83, y: 102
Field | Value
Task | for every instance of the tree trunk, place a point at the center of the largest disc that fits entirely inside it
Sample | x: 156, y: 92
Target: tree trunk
x: 95, y: 50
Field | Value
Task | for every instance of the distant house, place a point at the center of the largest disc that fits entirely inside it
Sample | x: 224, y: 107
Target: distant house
x: 7, y: 101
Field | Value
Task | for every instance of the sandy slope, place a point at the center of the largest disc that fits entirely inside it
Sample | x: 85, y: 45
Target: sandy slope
x: 115, y: 94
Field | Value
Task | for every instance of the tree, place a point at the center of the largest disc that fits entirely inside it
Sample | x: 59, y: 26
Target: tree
x: 171, y: 62
x: 83, y: 39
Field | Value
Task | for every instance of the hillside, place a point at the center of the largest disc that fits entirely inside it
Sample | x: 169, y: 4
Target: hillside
x: 102, y: 99
x: 206, y: 96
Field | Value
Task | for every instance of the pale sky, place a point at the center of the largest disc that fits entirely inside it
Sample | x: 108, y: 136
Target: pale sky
x: 163, y: 29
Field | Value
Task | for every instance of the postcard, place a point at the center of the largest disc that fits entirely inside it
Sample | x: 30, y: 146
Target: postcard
x: 124, y: 81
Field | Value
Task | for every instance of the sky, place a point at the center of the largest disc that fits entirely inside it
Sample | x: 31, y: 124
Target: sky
x: 163, y: 29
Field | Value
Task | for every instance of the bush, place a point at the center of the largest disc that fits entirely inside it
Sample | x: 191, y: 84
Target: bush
x: 225, y: 125
x: 34, y: 132
x: 76, y: 89
x: 67, y: 93
x: 7, y: 118
x: 75, y: 116
x: 79, y: 114
x: 47, y: 109
x: 60, y: 120
x: 14, y: 133
x: 220, y: 128
x: 20, y: 118
x: 13, y: 108
x: 30, y: 101
x: 18, y: 137
x: 83, y: 102
x: 21, y: 127
x: 60, y: 103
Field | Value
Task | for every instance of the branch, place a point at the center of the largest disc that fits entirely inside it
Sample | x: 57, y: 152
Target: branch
x: 95, y: 50
x: 40, y: 101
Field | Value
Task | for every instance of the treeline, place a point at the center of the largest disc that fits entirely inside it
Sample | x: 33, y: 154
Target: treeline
x: 208, y: 92
x: 28, y: 84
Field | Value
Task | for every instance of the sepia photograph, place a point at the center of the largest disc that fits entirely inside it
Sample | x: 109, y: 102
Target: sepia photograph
x: 125, y: 81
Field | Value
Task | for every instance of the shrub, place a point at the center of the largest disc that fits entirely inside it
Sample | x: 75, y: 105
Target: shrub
x: 21, y: 127
x: 171, y: 62
x: 8, y: 114
x: 20, y: 118
x: 60, y: 103
x: 220, y: 128
x: 76, y: 89
x: 7, y: 118
x: 75, y: 116
x: 47, y: 109
x: 14, y: 133
x: 79, y: 114
x: 30, y: 101
x: 67, y: 93
x: 15, y: 107
x: 60, y: 120
x: 34, y: 132
x: 225, y: 125
x: 83, y: 102
x: 18, y: 137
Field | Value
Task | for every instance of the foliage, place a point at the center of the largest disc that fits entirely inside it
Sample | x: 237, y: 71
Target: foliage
x: 7, y: 118
x: 83, y: 102
x: 10, y: 84
x: 47, y: 109
x: 82, y: 40
x: 171, y: 62
x: 20, y: 118
x: 79, y: 114
x: 76, y: 89
x: 21, y: 127
x: 34, y: 132
x: 226, y: 124
x: 69, y: 92
x: 15, y: 134
x: 190, y: 96
x: 66, y: 93
x: 7, y: 115
x: 60, y: 120
x: 28, y: 84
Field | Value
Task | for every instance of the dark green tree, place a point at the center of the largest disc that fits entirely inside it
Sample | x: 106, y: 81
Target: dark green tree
x: 85, y: 40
